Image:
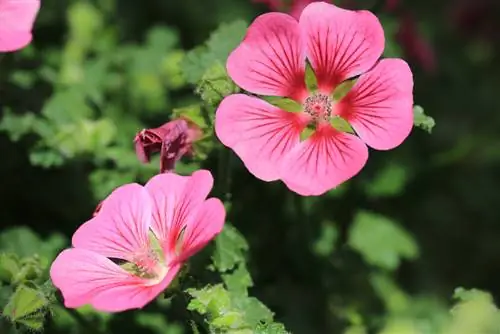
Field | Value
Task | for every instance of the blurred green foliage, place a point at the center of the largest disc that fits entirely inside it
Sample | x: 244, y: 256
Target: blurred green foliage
x: 383, y: 253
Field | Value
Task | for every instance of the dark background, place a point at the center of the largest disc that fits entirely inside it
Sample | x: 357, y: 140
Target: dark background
x: 449, y: 204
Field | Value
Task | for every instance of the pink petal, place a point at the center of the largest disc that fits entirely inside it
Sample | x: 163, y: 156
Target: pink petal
x: 16, y: 22
x: 176, y: 199
x: 121, y: 227
x: 341, y: 43
x: 85, y: 277
x: 260, y: 133
x: 379, y: 106
x: 323, y: 161
x: 208, y: 222
x: 271, y: 58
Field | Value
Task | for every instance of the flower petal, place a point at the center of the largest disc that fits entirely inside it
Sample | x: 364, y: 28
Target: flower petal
x: 323, y: 161
x: 200, y: 231
x: 271, y: 58
x: 379, y: 106
x: 176, y: 200
x: 85, y: 277
x: 121, y: 227
x: 340, y: 43
x: 260, y: 133
x: 16, y: 22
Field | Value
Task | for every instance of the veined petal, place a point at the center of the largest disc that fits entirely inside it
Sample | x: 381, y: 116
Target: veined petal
x: 271, y: 58
x: 340, y: 43
x: 208, y: 222
x: 260, y: 133
x: 85, y: 277
x: 323, y: 161
x: 379, y: 106
x: 176, y: 201
x: 16, y: 22
x: 121, y: 227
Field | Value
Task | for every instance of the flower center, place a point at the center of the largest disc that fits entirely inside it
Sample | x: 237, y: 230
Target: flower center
x: 319, y: 106
x: 148, y: 263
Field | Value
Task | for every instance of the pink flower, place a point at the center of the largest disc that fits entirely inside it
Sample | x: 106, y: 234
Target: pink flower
x: 153, y: 229
x: 173, y: 140
x: 16, y: 21
x: 340, y: 44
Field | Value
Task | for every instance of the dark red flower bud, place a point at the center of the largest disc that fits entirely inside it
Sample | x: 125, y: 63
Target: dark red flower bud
x: 414, y: 45
x: 97, y: 209
x: 173, y: 140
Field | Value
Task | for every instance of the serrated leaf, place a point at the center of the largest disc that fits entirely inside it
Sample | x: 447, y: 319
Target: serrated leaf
x: 254, y: 311
x: 228, y: 320
x: 389, y: 181
x: 215, y: 84
x: 381, y: 241
x: 271, y: 328
x: 212, y: 299
x: 25, y: 243
x: 221, y: 42
x: 24, y: 303
x: 239, y: 280
x: 230, y: 248
x: 475, y: 312
x: 421, y: 120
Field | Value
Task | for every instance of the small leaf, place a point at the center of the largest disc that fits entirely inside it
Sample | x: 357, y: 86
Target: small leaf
x: 421, y: 120
x: 228, y: 320
x: 380, y: 241
x: 215, y: 85
x: 222, y: 41
x: 325, y: 244
x: 230, y: 247
x: 389, y: 181
x: 239, y: 280
x: 24, y: 303
x: 9, y: 267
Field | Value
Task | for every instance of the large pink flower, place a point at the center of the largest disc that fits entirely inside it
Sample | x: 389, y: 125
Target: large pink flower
x: 152, y: 229
x: 340, y: 45
x: 16, y: 21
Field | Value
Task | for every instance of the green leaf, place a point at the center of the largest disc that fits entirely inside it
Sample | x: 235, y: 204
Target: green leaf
x: 381, y: 241
x: 389, y: 181
x: 24, y: 303
x: 475, y: 312
x: 325, y: 244
x: 271, y: 328
x: 230, y: 248
x: 239, y: 280
x: 254, y: 311
x: 421, y: 120
x: 9, y: 267
x: 222, y: 41
x: 215, y: 85
x: 17, y: 125
x: 211, y: 299
x: 25, y: 243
